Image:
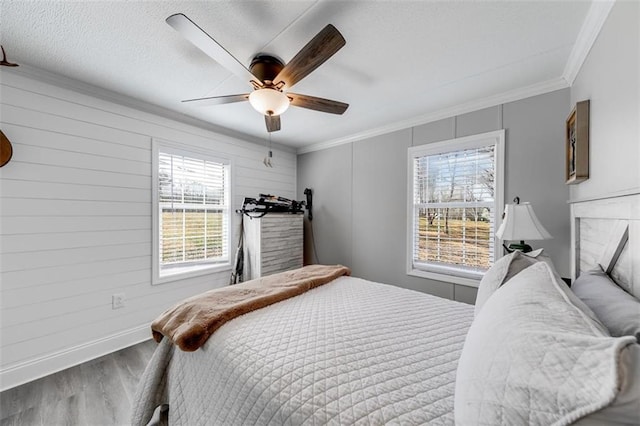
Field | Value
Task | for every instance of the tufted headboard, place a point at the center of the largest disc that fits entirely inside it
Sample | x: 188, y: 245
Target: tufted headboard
x: 606, y: 232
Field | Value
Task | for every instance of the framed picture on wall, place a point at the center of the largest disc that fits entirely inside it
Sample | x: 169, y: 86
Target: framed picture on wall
x: 577, y: 144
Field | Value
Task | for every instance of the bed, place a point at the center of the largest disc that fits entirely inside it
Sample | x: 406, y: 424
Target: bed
x: 358, y: 352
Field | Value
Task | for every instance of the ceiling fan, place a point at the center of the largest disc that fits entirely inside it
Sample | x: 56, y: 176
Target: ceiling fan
x: 270, y: 77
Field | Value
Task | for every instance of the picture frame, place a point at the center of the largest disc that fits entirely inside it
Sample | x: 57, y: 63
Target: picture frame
x: 577, y: 144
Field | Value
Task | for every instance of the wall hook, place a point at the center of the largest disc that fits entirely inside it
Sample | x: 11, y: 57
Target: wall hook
x: 4, y: 61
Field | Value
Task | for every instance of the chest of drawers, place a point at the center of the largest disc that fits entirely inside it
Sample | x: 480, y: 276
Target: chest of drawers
x: 272, y: 243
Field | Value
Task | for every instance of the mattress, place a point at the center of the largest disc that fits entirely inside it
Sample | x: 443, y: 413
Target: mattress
x: 349, y: 352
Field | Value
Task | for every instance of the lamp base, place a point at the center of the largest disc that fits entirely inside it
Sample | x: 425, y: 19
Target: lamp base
x: 525, y: 248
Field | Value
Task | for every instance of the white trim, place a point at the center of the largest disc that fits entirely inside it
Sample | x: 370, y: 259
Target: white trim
x: 591, y: 27
x: 501, y: 166
x: 224, y: 134
x: 189, y: 272
x: 496, y: 137
x: 231, y: 136
x: 595, y: 19
x: 184, y: 149
x: 453, y: 279
x: 197, y: 270
x: 596, y: 16
x: 471, y: 106
x: 465, y: 142
x: 27, y: 371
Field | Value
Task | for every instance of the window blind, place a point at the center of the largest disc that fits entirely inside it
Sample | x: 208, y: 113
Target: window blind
x: 193, y: 207
x: 454, y: 210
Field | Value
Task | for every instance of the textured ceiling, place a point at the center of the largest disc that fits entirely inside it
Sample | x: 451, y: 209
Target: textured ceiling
x: 402, y: 59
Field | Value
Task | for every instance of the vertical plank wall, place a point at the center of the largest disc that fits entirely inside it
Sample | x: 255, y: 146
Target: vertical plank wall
x: 75, y: 223
x: 367, y: 189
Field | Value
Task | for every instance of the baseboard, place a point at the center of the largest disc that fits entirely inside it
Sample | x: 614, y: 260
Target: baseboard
x: 27, y: 371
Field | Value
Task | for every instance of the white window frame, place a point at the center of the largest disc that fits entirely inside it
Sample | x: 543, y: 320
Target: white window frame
x: 444, y: 273
x: 194, y: 269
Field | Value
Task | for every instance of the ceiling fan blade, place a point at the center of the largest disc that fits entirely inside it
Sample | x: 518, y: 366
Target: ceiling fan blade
x: 317, y: 104
x: 217, y: 100
x: 323, y: 46
x: 203, y: 41
x: 272, y: 122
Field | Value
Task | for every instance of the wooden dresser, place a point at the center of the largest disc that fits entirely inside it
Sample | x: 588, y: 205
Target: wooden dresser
x: 272, y: 243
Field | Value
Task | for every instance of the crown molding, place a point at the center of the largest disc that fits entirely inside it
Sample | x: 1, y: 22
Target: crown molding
x: 475, y: 105
x: 591, y: 27
x: 83, y: 88
x: 596, y: 16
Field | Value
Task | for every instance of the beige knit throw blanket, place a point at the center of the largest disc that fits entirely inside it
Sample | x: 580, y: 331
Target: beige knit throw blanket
x: 190, y: 323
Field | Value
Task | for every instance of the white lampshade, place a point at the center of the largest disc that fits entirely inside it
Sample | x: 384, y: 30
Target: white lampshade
x: 521, y: 223
x: 269, y: 101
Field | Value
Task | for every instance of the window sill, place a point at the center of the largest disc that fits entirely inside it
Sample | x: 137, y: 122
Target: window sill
x: 453, y: 279
x: 190, y: 272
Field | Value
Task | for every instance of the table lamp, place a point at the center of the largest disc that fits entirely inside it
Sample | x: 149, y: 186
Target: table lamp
x: 520, y: 223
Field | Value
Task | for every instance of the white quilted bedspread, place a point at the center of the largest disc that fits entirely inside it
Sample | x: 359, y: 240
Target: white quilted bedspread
x: 349, y: 352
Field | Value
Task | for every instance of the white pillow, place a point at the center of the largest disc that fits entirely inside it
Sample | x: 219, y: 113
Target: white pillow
x: 503, y: 270
x: 532, y: 356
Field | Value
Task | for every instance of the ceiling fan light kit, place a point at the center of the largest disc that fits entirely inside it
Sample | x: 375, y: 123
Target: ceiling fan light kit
x: 268, y: 75
x: 269, y: 101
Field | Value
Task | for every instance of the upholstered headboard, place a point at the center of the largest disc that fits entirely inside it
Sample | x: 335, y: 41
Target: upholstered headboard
x: 606, y: 232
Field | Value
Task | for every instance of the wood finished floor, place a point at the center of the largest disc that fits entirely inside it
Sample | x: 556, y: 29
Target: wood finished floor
x: 99, y: 392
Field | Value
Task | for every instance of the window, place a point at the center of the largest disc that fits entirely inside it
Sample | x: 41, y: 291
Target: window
x: 191, y: 213
x: 455, y: 203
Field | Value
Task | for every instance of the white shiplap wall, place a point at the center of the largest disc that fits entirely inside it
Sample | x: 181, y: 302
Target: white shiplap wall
x: 75, y: 222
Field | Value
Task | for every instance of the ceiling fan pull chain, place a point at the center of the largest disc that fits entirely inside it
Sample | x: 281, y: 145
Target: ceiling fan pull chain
x: 267, y: 158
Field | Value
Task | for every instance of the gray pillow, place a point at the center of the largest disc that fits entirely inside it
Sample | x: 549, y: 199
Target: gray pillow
x: 618, y: 310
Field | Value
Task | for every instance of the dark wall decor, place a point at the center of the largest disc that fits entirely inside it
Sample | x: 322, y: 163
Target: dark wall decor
x: 577, y: 144
x: 6, y: 150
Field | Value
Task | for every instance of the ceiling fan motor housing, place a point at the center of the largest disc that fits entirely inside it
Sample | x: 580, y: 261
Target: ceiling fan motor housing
x: 266, y: 67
